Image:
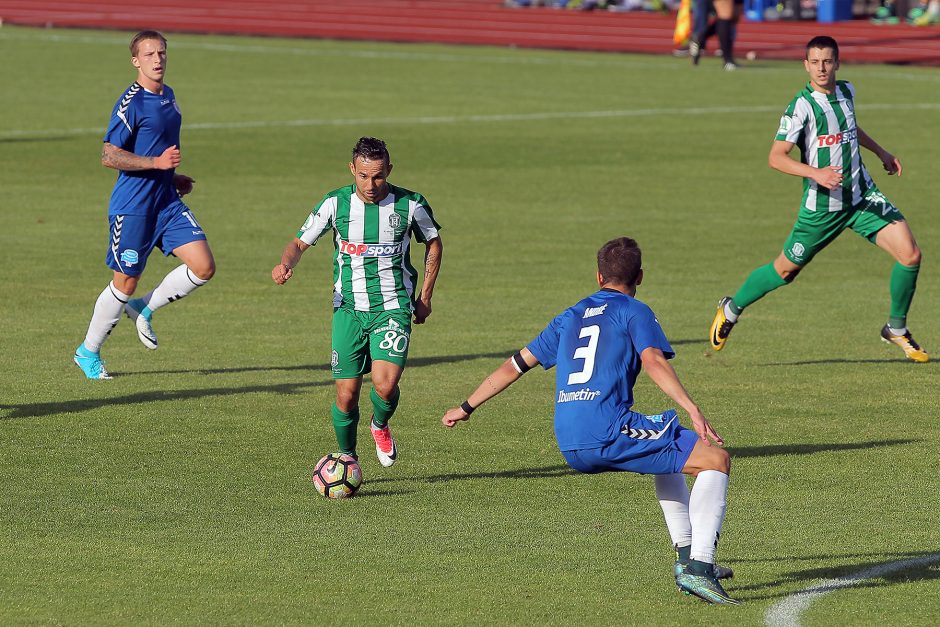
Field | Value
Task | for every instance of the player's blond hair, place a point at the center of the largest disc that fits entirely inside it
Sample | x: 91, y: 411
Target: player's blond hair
x: 143, y: 36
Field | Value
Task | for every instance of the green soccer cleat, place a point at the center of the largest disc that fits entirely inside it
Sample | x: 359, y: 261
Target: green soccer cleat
x: 721, y: 326
x: 705, y: 587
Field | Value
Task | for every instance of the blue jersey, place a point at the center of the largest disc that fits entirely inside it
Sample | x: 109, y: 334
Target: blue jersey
x: 145, y: 124
x: 596, y: 345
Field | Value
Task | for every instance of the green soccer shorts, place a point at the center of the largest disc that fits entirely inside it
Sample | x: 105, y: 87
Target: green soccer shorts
x: 814, y: 230
x: 361, y: 337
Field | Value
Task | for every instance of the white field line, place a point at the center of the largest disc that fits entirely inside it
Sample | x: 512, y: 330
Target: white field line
x: 786, y: 613
x: 526, y: 57
x: 8, y: 134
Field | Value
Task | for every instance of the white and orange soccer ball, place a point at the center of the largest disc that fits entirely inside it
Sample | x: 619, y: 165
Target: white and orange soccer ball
x: 337, y: 476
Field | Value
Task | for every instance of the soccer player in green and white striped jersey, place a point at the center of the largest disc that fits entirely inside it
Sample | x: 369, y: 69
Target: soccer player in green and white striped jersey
x: 838, y: 193
x: 374, y: 283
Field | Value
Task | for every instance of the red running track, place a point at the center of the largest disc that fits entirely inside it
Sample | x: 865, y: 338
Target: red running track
x: 475, y: 22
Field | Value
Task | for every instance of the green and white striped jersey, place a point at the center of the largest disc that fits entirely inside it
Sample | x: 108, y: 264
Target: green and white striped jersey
x: 371, y: 266
x: 823, y: 126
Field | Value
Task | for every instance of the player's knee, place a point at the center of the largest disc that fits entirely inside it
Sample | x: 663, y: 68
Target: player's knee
x: 346, y: 400
x: 384, y: 388
x: 125, y: 284
x: 204, y: 270
x: 720, y: 460
x: 911, y: 257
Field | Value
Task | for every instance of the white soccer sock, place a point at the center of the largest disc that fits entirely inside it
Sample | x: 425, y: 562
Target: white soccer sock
x: 707, y: 511
x: 174, y: 286
x: 107, y: 313
x: 673, y: 494
x: 730, y: 315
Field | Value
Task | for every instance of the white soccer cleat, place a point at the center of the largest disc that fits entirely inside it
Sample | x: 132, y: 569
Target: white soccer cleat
x: 385, y: 448
x: 144, y: 330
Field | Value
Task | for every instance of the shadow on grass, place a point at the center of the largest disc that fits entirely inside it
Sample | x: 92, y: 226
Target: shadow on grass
x: 559, y: 470
x: 805, y: 577
x: 809, y: 449
x: 414, y: 362
x: 32, y: 410
x: 815, y: 362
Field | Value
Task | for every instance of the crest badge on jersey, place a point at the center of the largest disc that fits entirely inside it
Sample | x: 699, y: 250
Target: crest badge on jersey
x: 798, y: 249
x: 394, y: 221
x: 785, y: 123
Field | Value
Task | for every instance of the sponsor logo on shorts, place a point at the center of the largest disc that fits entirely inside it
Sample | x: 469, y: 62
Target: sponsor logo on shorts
x: 657, y: 418
x: 877, y: 198
x: 334, y: 360
x: 837, y: 138
x: 370, y: 250
x: 584, y: 394
x: 590, y: 312
x: 129, y: 257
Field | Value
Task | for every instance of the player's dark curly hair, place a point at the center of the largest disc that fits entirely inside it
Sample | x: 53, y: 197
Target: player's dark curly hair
x: 619, y: 261
x: 371, y: 149
x: 823, y: 41
x: 143, y: 35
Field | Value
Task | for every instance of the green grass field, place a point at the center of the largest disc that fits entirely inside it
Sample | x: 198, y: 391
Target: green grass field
x: 179, y: 492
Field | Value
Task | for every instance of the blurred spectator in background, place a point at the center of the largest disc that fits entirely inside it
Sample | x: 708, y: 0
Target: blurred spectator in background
x: 727, y: 13
x: 932, y: 16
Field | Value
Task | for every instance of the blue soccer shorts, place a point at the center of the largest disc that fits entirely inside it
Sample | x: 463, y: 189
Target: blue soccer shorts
x: 649, y: 445
x: 134, y: 237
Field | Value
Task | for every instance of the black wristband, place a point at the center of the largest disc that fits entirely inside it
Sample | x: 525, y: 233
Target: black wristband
x: 467, y: 407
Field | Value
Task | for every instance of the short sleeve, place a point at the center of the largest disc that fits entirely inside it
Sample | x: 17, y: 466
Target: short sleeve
x: 319, y: 221
x: 123, y: 125
x: 646, y: 332
x: 545, y: 345
x: 791, y: 125
x: 425, y: 226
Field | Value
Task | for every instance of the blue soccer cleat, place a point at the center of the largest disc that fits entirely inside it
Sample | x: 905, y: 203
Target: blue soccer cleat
x: 705, y: 587
x: 138, y: 312
x: 90, y: 363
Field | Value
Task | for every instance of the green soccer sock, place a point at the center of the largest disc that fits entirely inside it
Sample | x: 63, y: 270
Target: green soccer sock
x: 903, y: 284
x: 382, y: 410
x: 758, y: 284
x: 345, y: 424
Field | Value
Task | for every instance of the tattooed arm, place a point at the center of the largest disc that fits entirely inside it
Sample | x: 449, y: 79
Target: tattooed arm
x: 118, y: 159
x: 432, y: 266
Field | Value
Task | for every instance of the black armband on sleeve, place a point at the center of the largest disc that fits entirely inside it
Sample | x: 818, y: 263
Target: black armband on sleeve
x: 519, y: 363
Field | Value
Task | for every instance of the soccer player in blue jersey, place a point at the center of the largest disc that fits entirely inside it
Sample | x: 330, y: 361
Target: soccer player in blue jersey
x: 599, y: 346
x: 146, y: 210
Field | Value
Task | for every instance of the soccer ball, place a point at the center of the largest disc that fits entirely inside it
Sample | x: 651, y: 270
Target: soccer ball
x: 337, y: 476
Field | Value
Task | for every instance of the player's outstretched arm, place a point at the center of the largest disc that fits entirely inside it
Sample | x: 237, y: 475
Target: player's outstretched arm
x: 433, y: 254
x: 892, y: 164
x: 289, y: 258
x: 779, y: 159
x: 120, y: 159
x: 660, y: 371
x: 500, y: 379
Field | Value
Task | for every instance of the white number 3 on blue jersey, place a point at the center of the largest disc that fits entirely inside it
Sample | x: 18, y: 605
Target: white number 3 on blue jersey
x: 587, y: 354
